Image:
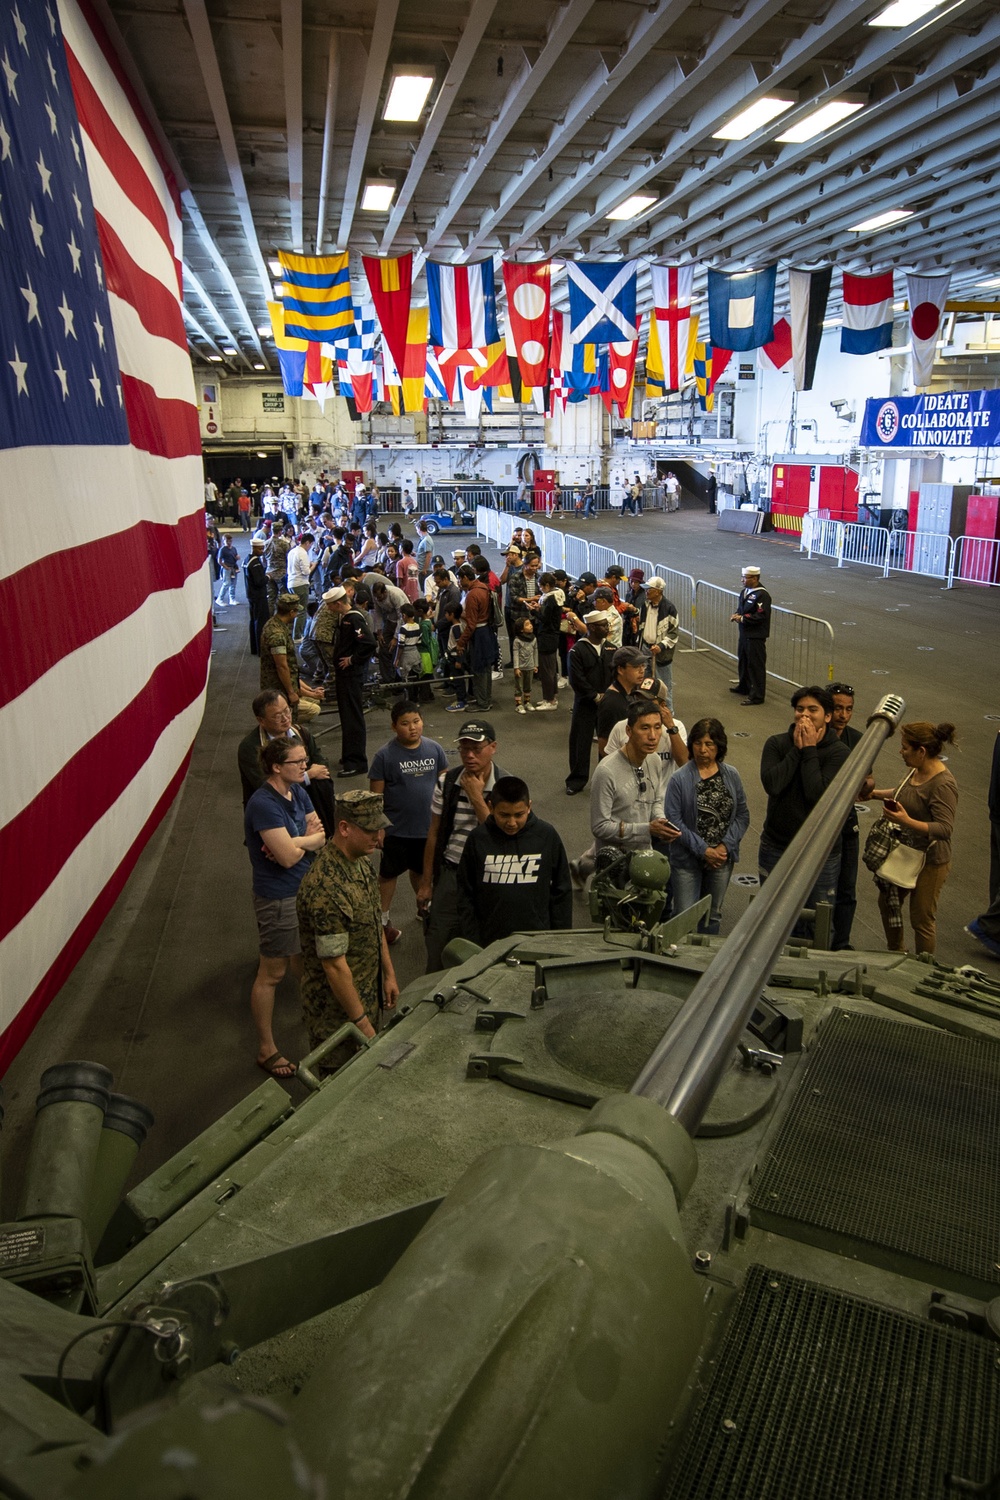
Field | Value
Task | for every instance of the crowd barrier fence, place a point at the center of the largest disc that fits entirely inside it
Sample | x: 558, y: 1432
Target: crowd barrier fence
x: 929, y: 553
x: 800, y: 647
x: 975, y: 559
x: 800, y: 650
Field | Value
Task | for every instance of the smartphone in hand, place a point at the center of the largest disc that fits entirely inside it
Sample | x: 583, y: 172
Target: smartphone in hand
x: 891, y: 805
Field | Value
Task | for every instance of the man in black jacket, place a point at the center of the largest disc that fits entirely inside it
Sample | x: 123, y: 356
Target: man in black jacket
x: 513, y: 875
x: 795, y: 769
x: 274, y: 719
x: 355, y: 647
x: 589, y: 676
x: 255, y: 583
x: 850, y: 839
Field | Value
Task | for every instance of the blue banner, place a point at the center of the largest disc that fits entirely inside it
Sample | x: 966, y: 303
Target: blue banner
x: 954, y: 419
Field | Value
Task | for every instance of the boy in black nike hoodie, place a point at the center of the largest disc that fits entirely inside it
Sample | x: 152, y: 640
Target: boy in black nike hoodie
x: 514, y: 874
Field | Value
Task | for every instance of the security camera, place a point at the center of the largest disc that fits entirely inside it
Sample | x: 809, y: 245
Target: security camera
x: 838, y: 406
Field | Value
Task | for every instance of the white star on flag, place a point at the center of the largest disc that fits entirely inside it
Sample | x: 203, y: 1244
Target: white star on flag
x: 79, y: 206
x: 44, y: 174
x: 4, y: 142
x: 61, y: 376
x: 75, y: 252
x: 20, y: 28
x: 100, y: 331
x: 76, y: 149
x: 95, y: 381
x: 52, y: 73
x: 31, y: 297
x: 52, y: 19
x: 37, y: 230
x: 100, y: 271
x: 20, y: 368
x: 67, y: 317
x: 11, y: 77
x: 53, y: 120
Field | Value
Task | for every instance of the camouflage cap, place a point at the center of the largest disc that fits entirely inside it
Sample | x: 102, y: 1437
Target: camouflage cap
x: 287, y: 602
x: 365, y: 809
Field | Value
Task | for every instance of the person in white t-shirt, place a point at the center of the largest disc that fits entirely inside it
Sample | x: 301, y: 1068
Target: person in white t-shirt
x: 300, y: 565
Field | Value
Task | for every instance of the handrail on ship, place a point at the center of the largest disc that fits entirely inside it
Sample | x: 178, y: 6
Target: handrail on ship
x: 687, y: 1065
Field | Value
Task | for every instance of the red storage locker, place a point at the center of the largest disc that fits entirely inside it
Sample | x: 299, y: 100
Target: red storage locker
x: 546, y: 484
x: 790, y: 486
x: 979, y: 559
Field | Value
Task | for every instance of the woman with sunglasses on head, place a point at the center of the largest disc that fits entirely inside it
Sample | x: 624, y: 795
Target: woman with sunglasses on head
x: 282, y: 832
x: 923, y: 809
x: 706, y: 801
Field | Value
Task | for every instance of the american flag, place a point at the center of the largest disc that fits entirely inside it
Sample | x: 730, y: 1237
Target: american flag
x: 103, y: 571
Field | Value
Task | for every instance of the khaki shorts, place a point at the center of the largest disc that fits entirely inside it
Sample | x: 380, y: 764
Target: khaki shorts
x: 277, y: 926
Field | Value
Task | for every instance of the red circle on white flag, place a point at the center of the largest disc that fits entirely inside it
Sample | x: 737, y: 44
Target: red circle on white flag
x: 924, y: 320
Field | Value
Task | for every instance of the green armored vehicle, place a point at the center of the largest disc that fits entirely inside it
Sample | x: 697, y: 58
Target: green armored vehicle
x: 620, y: 1213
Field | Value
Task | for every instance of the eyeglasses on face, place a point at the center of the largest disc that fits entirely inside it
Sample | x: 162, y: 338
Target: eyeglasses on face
x: 290, y: 762
x: 841, y: 687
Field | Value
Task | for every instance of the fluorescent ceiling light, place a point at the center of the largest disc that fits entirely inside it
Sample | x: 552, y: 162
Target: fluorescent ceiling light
x: 258, y: 366
x: 832, y: 323
x: 261, y: 455
x: 632, y: 207
x: 761, y: 112
x: 821, y: 119
x: 227, y: 349
x: 378, y: 196
x: 881, y: 221
x: 993, y: 281
x: 279, y: 291
x: 215, y: 359
x: 407, y: 96
x: 276, y: 268
x: 904, y: 12
x: 264, y: 329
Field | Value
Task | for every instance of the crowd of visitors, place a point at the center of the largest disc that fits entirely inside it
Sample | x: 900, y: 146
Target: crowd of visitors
x: 357, y: 609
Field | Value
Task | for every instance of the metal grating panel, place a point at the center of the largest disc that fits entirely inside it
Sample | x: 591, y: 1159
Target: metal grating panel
x: 818, y: 1395
x: 893, y: 1140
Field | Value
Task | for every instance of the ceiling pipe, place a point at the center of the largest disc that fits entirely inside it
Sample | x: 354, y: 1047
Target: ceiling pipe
x: 329, y: 125
x: 291, y: 57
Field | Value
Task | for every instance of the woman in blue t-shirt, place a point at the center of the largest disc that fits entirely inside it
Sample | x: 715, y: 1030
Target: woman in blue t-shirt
x: 282, y: 830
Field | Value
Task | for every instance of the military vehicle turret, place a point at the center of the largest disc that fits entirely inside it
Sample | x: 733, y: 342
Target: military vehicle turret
x: 627, y: 1212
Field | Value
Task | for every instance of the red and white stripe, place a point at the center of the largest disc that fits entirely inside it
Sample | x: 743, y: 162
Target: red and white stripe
x: 867, y: 300
x: 108, y: 605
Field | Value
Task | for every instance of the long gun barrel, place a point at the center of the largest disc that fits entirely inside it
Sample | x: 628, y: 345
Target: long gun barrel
x: 685, y: 1069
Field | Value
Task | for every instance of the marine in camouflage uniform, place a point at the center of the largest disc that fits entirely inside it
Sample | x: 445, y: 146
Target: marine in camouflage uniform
x: 277, y: 635
x: 326, y: 628
x: 340, y: 916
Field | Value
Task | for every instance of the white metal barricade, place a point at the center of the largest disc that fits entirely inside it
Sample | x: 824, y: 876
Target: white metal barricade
x: 821, y: 538
x: 864, y: 544
x: 600, y: 559
x: 926, y: 552
x: 486, y: 522
x: 800, y: 647
x: 577, y: 555
x: 505, y: 528
x: 975, y: 559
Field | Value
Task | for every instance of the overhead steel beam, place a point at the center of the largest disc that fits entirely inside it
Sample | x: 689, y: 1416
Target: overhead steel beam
x: 472, y: 35
x: 524, y: 89
x: 378, y: 56
x: 291, y: 61
x: 940, y: 170
x: 676, y: 86
x: 879, y: 52
x: 196, y: 286
x: 201, y: 230
x: 648, y: 30
x: 958, y: 52
x: 199, y: 328
x: 329, y: 125
x: 204, y: 44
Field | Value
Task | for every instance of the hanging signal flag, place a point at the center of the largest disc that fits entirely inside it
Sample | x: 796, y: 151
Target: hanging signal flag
x: 741, y: 308
x: 317, y: 296
x: 927, y: 296
x: 602, y: 301
x: 867, y: 324
x: 463, y: 305
x: 529, y: 295
x: 672, y: 291
x: 808, y: 293
x: 390, y: 281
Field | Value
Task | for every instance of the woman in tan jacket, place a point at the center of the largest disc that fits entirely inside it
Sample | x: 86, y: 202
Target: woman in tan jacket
x: 925, y: 811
